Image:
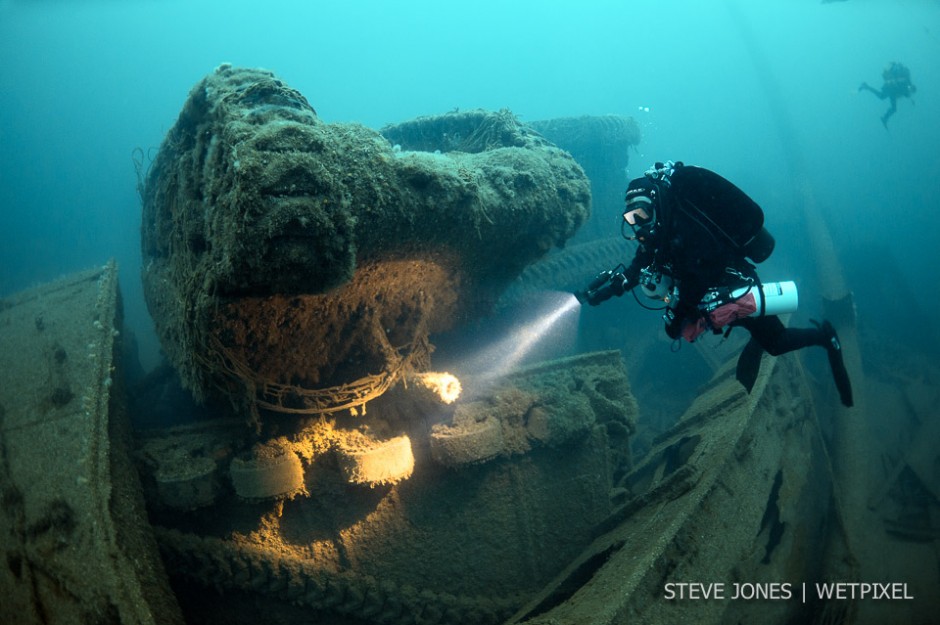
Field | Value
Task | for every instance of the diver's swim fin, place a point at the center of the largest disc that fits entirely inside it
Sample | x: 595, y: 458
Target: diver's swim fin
x: 749, y: 364
x: 839, y: 372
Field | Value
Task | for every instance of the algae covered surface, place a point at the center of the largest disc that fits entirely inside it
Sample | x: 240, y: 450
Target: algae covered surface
x: 265, y: 226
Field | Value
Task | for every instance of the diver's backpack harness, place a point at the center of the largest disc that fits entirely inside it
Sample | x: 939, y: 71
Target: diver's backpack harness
x: 717, y: 206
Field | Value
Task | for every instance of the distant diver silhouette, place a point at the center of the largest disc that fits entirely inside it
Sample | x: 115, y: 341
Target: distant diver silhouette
x: 897, y: 84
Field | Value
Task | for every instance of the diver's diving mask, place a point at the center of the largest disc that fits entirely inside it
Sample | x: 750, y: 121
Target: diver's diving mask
x: 640, y: 210
x: 639, y: 216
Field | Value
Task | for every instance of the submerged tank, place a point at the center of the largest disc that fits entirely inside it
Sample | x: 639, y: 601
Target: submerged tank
x: 265, y: 228
x: 298, y: 269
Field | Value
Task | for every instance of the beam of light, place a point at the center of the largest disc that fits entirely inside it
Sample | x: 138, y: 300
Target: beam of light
x: 555, y: 320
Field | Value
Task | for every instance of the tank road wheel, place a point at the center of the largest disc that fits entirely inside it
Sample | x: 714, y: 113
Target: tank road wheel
x: 376, y: 462
x: 270, y: 471
x: 468, y: 443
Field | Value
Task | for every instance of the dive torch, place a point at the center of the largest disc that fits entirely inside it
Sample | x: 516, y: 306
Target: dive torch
x: 604, y: 286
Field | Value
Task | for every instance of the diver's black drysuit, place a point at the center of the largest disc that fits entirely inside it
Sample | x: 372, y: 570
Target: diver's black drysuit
x: 686, y: 241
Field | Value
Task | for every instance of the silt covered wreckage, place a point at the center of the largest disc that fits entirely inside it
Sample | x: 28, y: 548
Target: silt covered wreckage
x: 265, y: 228
x: 297, y: 272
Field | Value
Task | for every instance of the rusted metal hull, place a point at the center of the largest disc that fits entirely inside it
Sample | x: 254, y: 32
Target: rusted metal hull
x: 78, y: 547
x: 737, y: 492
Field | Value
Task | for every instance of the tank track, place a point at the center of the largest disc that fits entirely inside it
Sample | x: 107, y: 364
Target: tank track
x: 227, y: 566
x: 603, y: 138
x: 571, y: 268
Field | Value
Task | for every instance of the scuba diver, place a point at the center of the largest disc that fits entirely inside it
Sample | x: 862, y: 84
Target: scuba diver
x: 897, y: 84
x: 695, y: 231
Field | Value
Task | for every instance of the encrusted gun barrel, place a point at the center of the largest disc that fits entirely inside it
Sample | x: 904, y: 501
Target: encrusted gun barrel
x: 332, y: 249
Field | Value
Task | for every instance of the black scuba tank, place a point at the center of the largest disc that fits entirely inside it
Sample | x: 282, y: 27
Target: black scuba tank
x: 724, y: 210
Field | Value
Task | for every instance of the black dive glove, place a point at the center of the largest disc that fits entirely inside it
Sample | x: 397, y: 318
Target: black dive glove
x: 603, y: 287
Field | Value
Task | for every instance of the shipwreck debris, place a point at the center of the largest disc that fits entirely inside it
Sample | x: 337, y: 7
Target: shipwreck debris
x: 74, y: 535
